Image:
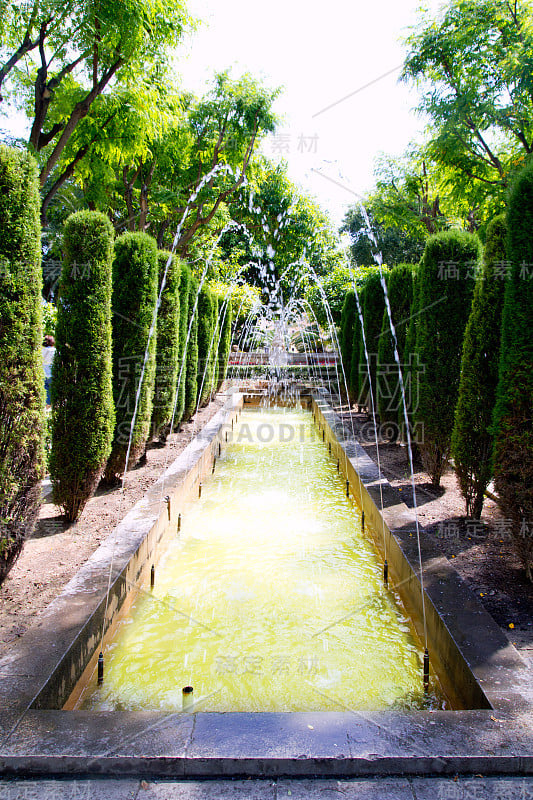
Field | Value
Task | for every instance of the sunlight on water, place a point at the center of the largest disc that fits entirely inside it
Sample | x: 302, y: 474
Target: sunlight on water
x: 270, y: 599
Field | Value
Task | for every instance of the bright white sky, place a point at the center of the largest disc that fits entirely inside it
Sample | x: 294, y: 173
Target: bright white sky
x: 319, y: 54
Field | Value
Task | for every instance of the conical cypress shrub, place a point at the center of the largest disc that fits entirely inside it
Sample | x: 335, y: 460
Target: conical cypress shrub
x: 472, y: 440
x: 205, y: 333
x: 372, y: 302
x: 400, y: 292
x: 224, y: 344
x: 447, y: 276
x: 21, y: 365
x: 83, y: 414
x: 184, y: 289
x: 134, y: 300
x: 513, y: 415
x: 348, y: 315
x: 167, y: 346
x: 411, y: 372
x: 213, y: 355
x: 191, y: 374
x: 357, y: 360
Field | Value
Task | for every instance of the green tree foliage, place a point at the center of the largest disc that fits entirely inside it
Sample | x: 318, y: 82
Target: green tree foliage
x: 292, y: 236
x: 224, y: 343
x: 205, y: 342
x: 168, y: 345
x: 400, y: 293
x: 243, y: 299
x: 160, y: 179
x: 472, y: 440
x: 396, y: 240
x: 473, y: 65
x: 49, y: 318
x: 134, y: 300
x: 191, y: 373
x: 83, y: 414
x: 335, y: 284
x: 184, y: 290
x: 513, y: 451
x: 21, y: 367
x: 446, y: 284
x: 60, y: 58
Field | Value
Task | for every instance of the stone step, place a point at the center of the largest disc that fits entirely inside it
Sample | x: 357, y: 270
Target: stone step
x: 459, y: 788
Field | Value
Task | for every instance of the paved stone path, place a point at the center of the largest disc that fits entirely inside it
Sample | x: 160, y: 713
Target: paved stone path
x: 461, y: 788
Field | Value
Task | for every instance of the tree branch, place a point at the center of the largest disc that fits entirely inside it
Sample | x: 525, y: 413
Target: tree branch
x: 81, y: 109
x: 69, y: 170
x: 26, y: 46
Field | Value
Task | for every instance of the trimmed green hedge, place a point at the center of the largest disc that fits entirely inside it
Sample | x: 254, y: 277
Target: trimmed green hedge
x: 348, y: 316
x: 224, y: 344
x: 372, y: 302
x: 472, y: 440
x: 83, y: 415
x: 411, y: 373
x: 167, y: 347
x: 205, y: 335
x: 21, y: 365
x: 400, y: 292
x: 134, y: 300
x: 352, y: 375
x: 513, y: 415
x: 185, y: 286
x: 191, y: 373
x: 446, y: 284
x: 213, y: 356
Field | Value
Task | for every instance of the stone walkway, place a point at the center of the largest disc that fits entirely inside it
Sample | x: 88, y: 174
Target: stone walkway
x: 462, y: 788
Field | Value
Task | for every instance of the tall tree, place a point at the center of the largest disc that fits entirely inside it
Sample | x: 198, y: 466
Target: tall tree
x: 292, y: 236
x: 194, y: 165
x: 473, y: 65
x: 395, y: 240
x: 59, y: 57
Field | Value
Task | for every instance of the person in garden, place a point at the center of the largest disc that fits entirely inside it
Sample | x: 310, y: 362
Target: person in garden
x: 49, y: 351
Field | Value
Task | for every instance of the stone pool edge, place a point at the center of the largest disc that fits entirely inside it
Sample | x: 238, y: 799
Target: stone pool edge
x: 463, y: 639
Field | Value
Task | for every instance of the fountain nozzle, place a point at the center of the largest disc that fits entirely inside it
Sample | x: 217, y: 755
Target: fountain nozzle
x: 187, y: 698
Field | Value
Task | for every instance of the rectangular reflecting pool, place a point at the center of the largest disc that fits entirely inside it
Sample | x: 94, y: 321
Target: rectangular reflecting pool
x: 270, y: 598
